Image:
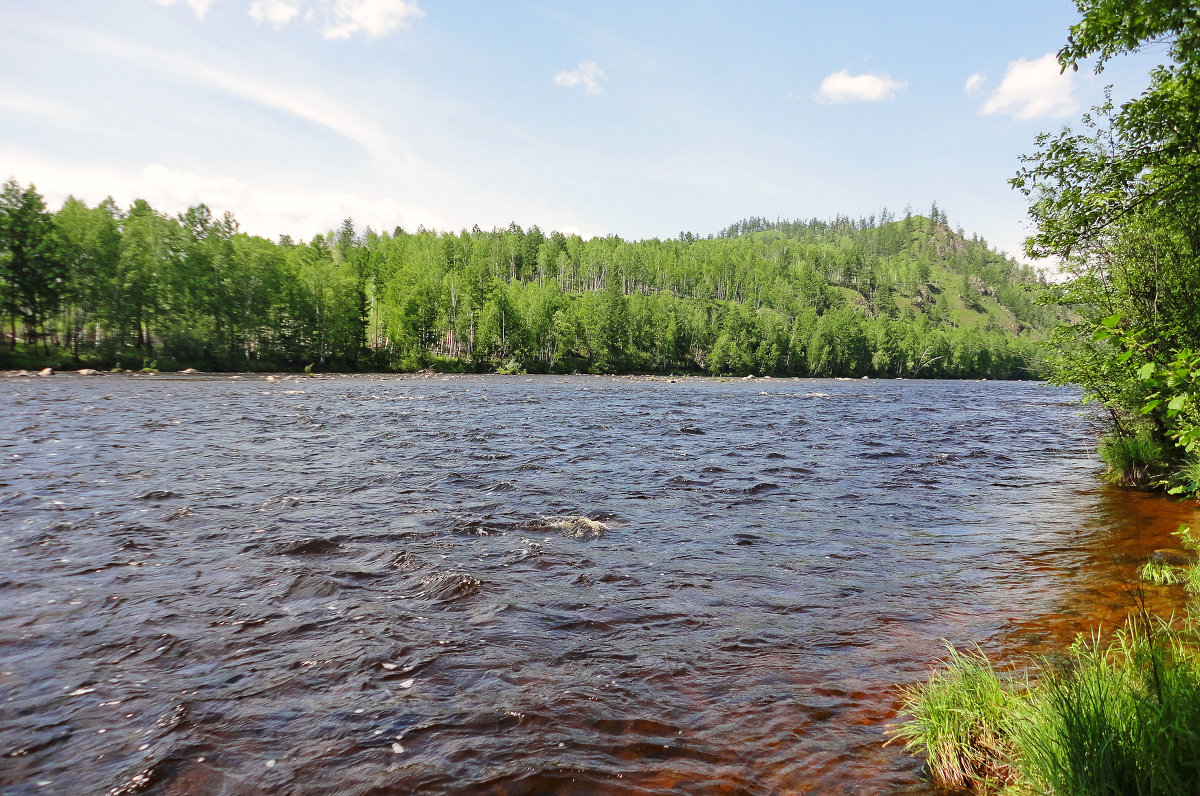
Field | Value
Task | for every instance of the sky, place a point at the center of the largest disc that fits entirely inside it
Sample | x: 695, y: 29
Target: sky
x: 641, y: 119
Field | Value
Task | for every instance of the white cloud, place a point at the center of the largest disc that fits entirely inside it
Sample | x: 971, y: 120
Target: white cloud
x: 291, y: 204
x: 844, y: 87
x: 589, y: 75
x: 974, y: 83
x: 372, y: 18
x: 1033, y: 90
x: 277, y: 13
x: 199, y: 7
x: 337, y: 19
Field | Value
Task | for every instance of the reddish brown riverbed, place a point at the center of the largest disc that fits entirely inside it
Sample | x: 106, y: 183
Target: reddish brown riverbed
x: 217, y: 585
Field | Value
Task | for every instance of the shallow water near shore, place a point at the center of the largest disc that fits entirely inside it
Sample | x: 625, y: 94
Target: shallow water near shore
x: 341, y: 585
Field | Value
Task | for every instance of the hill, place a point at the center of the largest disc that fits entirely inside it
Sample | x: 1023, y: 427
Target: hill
x: 885, y: 297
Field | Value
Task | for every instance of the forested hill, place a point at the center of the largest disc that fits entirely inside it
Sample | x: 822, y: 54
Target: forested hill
x: 882, y: 297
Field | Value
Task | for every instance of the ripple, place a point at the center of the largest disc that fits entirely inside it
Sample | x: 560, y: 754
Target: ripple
x: 538, y: 584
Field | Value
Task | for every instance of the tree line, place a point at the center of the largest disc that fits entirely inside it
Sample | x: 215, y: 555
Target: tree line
x: 879, y: 296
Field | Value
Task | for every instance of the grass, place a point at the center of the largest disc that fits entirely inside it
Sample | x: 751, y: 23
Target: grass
x: 1121, y: 717
x: 1106, y: 717
x: 959, y: 721
x: 1161, y: 574
x: 1185, y: 479
x: 1136, y: 461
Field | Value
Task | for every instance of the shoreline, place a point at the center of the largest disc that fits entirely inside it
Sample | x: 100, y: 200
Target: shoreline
x: 427, y: 373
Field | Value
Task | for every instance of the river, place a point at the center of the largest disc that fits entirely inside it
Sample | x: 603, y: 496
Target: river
x: 341, y: 584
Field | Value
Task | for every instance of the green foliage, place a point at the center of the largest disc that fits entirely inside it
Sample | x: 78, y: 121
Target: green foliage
x: 1121, y: 716
x: 1118, y: 200
x: 31, y: 262
x: 1185, y: 479
x: 960, y: 722
x: 1161, y: 574
x: 842, y: 298
x: 1135, y: 461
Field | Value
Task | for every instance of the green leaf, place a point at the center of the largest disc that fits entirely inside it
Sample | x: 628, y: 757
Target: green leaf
x: 1145, y: 372
x: 1111, y: 321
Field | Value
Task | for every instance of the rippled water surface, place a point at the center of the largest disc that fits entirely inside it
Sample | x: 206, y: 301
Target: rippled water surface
x: 340, y: 585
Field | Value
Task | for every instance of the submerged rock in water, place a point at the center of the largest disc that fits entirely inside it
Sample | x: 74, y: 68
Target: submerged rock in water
x: 309, y: 547
x: 1172, y: 557
x: 449, y: 586
x: 189, y: 370
x: 88, y: 372
x: 572, y: 526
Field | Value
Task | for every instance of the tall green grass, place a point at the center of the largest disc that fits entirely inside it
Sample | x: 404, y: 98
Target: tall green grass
x: 1185, y: 478
x: 1123, y: 717
x: 959, y: 723
x: 1120, y: 717
x: 1115, y: 716
x: 1134, y: 461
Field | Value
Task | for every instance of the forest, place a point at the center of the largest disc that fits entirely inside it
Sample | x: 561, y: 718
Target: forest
x: 880, y: 296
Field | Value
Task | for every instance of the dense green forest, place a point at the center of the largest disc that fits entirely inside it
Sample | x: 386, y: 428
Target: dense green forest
x: 880, y: 296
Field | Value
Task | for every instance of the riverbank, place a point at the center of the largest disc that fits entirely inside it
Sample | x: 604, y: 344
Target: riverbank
x: 1116, y: 710
x: 33, y: 358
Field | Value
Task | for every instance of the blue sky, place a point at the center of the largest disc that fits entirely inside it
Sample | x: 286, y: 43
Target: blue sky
x: 636, y: 118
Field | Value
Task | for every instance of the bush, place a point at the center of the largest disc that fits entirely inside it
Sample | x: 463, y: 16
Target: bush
x: 510, y: 368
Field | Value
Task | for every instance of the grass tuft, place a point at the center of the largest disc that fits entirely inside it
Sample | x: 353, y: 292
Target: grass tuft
x: 1162, y: 574
x: 1137, y: 461
x: 1185, y: 478
x: 959, y: 721
x: 1123, y: 717
x: 1112, y: 717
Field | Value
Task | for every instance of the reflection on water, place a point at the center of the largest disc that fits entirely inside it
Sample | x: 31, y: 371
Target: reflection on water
x: 346, y: 585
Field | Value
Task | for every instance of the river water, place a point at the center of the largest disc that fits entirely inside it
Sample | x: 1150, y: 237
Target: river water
x: 341, y: 585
